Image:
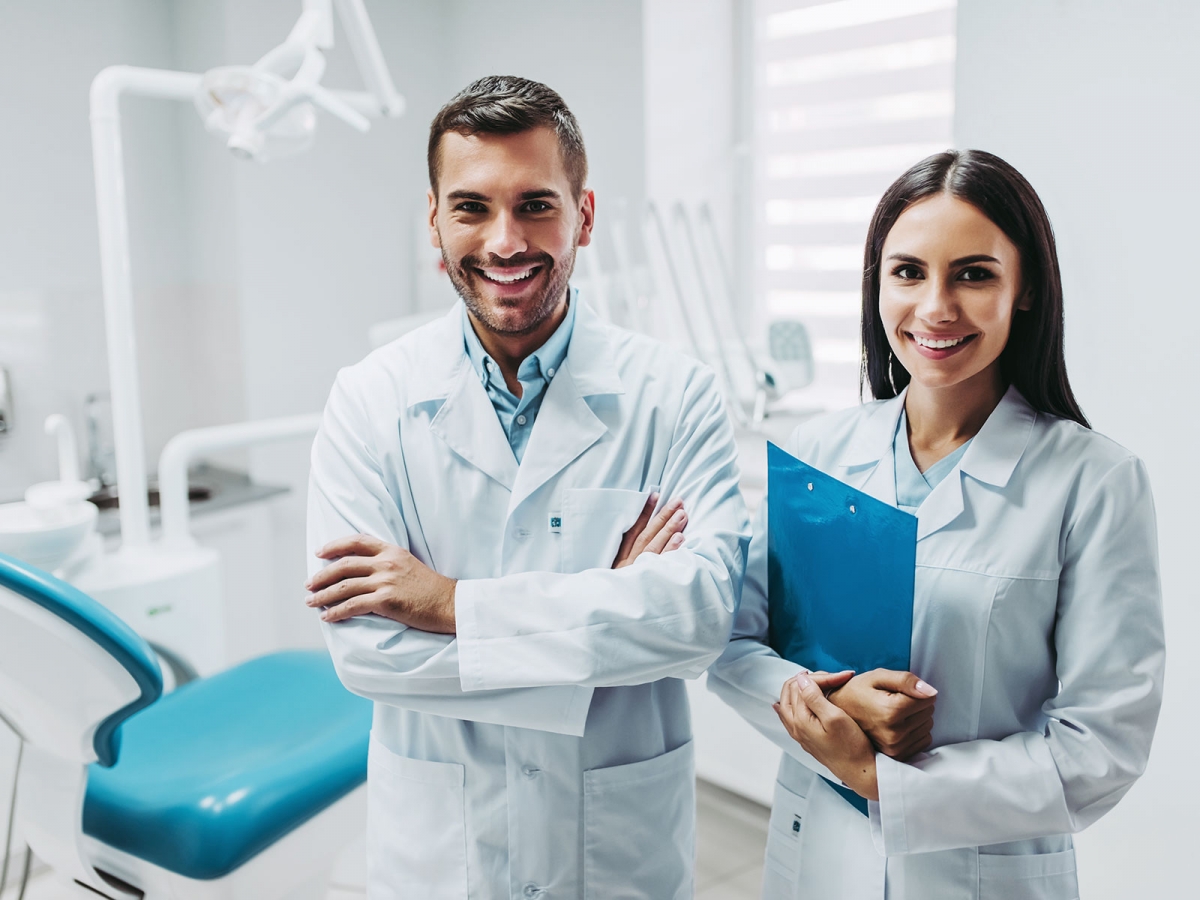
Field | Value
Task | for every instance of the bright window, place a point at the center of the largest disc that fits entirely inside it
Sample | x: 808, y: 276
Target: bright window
x: 848, y: 95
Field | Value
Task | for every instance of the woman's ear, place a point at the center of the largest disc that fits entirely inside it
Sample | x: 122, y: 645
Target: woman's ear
x: 1025, y: 301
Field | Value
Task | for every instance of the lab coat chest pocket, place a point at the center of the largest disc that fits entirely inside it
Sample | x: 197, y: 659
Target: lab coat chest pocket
x: 416, y: 828
x: 1028, y: 876
x: 629, y: 808
x: 592, y: 523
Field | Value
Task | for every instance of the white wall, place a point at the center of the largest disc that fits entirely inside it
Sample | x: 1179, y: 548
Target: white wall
x: 1095, y: 102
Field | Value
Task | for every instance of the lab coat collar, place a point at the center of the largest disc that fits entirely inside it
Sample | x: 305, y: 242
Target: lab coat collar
x: 991, y: 458
x: 566, y: 426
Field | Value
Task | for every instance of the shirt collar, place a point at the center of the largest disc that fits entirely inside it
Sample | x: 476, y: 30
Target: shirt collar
x: 991, y: 457
x: 542, y: 363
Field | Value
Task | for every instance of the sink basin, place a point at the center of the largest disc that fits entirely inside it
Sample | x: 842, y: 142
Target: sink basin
x: 45, y: 538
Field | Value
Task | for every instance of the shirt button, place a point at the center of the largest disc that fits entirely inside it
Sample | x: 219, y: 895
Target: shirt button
x: 521, y: 420
x: 531, y: 771
x: 550, y: 371
x: 532, y: 890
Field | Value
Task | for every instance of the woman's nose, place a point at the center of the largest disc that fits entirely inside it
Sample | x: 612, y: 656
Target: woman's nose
x: 937, y: 304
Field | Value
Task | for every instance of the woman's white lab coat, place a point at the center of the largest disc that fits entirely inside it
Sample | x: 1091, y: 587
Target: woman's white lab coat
x: 1036, y: 615
x: 544, y: 751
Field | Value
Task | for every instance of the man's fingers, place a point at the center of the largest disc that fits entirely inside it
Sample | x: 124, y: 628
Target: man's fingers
x: 352, y: 545
x: 829, y: 681
x: 357, y: 606
x: 341, y: 592
x: 638, y: 527
x: 346, y: 567
x: 674, y: 525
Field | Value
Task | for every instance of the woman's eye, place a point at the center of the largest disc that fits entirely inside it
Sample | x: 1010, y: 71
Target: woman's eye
x: 906, y: 273
x: 975, y: 273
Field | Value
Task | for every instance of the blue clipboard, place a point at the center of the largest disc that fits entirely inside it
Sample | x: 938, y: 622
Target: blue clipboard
x: 840, y: 573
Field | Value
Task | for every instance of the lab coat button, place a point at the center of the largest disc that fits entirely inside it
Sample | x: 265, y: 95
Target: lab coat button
x: 531, y: 771
x: 532, y: 890
x: 521, y: 533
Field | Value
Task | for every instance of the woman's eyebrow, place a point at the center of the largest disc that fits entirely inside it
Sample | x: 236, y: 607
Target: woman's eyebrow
x: 904, y: 257
x: 978, y: 257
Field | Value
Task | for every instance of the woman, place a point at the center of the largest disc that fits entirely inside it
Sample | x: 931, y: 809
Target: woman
x: 1037, y: 615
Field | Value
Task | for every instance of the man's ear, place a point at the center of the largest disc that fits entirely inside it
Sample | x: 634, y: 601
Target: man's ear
x: 587, y: 217
x: 434, y: 238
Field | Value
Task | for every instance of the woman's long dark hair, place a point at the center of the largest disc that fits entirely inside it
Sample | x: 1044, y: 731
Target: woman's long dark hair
x: 1032, y: 360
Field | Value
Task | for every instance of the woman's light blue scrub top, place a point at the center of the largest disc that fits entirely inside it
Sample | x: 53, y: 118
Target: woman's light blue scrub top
x: 913, y: 485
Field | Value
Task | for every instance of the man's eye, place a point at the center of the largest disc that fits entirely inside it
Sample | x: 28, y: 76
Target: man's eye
x: 975, y: 273
x: 470, y: 206
x: 537, y: 206
x: 906, y: 272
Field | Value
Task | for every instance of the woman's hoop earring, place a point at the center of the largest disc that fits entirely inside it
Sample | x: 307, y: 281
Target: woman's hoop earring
x: 891, y: 373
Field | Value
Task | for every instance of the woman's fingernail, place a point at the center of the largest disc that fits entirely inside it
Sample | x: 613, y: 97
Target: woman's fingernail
x: 654, y: 499
x: 676, y: 540
x: 926, y: 689
x: 802, y: 679
x: 678, y: 517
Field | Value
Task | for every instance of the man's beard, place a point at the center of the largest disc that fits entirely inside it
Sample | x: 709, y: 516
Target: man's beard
x: 541, y: 308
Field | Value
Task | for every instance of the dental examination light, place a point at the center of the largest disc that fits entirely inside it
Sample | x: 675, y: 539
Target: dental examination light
x: 268, y: 110
x: 263, y: 111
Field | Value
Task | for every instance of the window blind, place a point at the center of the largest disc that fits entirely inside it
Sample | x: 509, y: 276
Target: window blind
x: 848, y: 95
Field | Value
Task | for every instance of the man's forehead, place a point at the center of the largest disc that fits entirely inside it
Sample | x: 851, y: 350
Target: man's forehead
x: 520, y: 163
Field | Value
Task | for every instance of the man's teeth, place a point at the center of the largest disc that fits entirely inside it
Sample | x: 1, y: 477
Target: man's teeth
x: 937, y: 345
x: 507, y: 279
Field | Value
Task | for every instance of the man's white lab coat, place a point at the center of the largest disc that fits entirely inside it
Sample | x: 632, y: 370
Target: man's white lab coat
x: 545, y: 750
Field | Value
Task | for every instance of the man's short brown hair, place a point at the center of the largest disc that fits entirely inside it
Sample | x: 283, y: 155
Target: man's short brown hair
x: 506, y: 104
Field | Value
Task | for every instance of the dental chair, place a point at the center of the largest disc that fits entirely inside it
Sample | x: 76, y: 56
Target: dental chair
x: 246, y: 785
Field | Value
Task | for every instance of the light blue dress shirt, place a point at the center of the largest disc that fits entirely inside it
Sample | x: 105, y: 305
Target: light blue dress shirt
x: 535, y: 373
x: 913, y: 485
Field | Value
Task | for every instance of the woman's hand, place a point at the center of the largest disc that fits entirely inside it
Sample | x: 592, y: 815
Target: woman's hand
x: 660, y: 534
x: 895, y: 709
x: 828, y: 735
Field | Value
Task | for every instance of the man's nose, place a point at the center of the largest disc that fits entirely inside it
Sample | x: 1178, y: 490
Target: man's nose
x: 505, y: 236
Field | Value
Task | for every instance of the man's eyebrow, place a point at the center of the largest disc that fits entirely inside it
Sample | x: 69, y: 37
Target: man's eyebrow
x: 541, y: 194
x: 467, y: 195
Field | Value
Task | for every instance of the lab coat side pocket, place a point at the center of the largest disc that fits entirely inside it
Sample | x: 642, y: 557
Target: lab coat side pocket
x: 639, y: 829
x: 1028, y: 876
x: 785, y: 834
x: 592, y: 523
x: 416, y: 828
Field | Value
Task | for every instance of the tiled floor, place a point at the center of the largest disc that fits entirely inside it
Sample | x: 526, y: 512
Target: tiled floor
x: 731, y: 834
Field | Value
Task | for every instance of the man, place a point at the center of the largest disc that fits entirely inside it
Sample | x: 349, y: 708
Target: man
x: 472, y: 483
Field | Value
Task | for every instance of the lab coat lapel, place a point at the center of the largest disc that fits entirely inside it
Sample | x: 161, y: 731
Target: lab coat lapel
x: 467, y: 421
x: 991, y: 459
x: 867, y: 463
x: 566, y: 426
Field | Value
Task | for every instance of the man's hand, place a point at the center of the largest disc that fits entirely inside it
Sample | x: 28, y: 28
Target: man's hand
x: 828, y: 735
x: 372, y: 576
x: 895, y: 709
x: 660, y: 534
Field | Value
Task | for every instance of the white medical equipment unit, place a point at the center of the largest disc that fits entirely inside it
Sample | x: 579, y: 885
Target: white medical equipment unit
x: 72, y: 674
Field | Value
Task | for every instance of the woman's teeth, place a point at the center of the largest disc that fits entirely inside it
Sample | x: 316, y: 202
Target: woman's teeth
x: 937, y: 345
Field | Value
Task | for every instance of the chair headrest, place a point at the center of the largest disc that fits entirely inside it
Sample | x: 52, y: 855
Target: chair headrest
x: 101, y: 626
